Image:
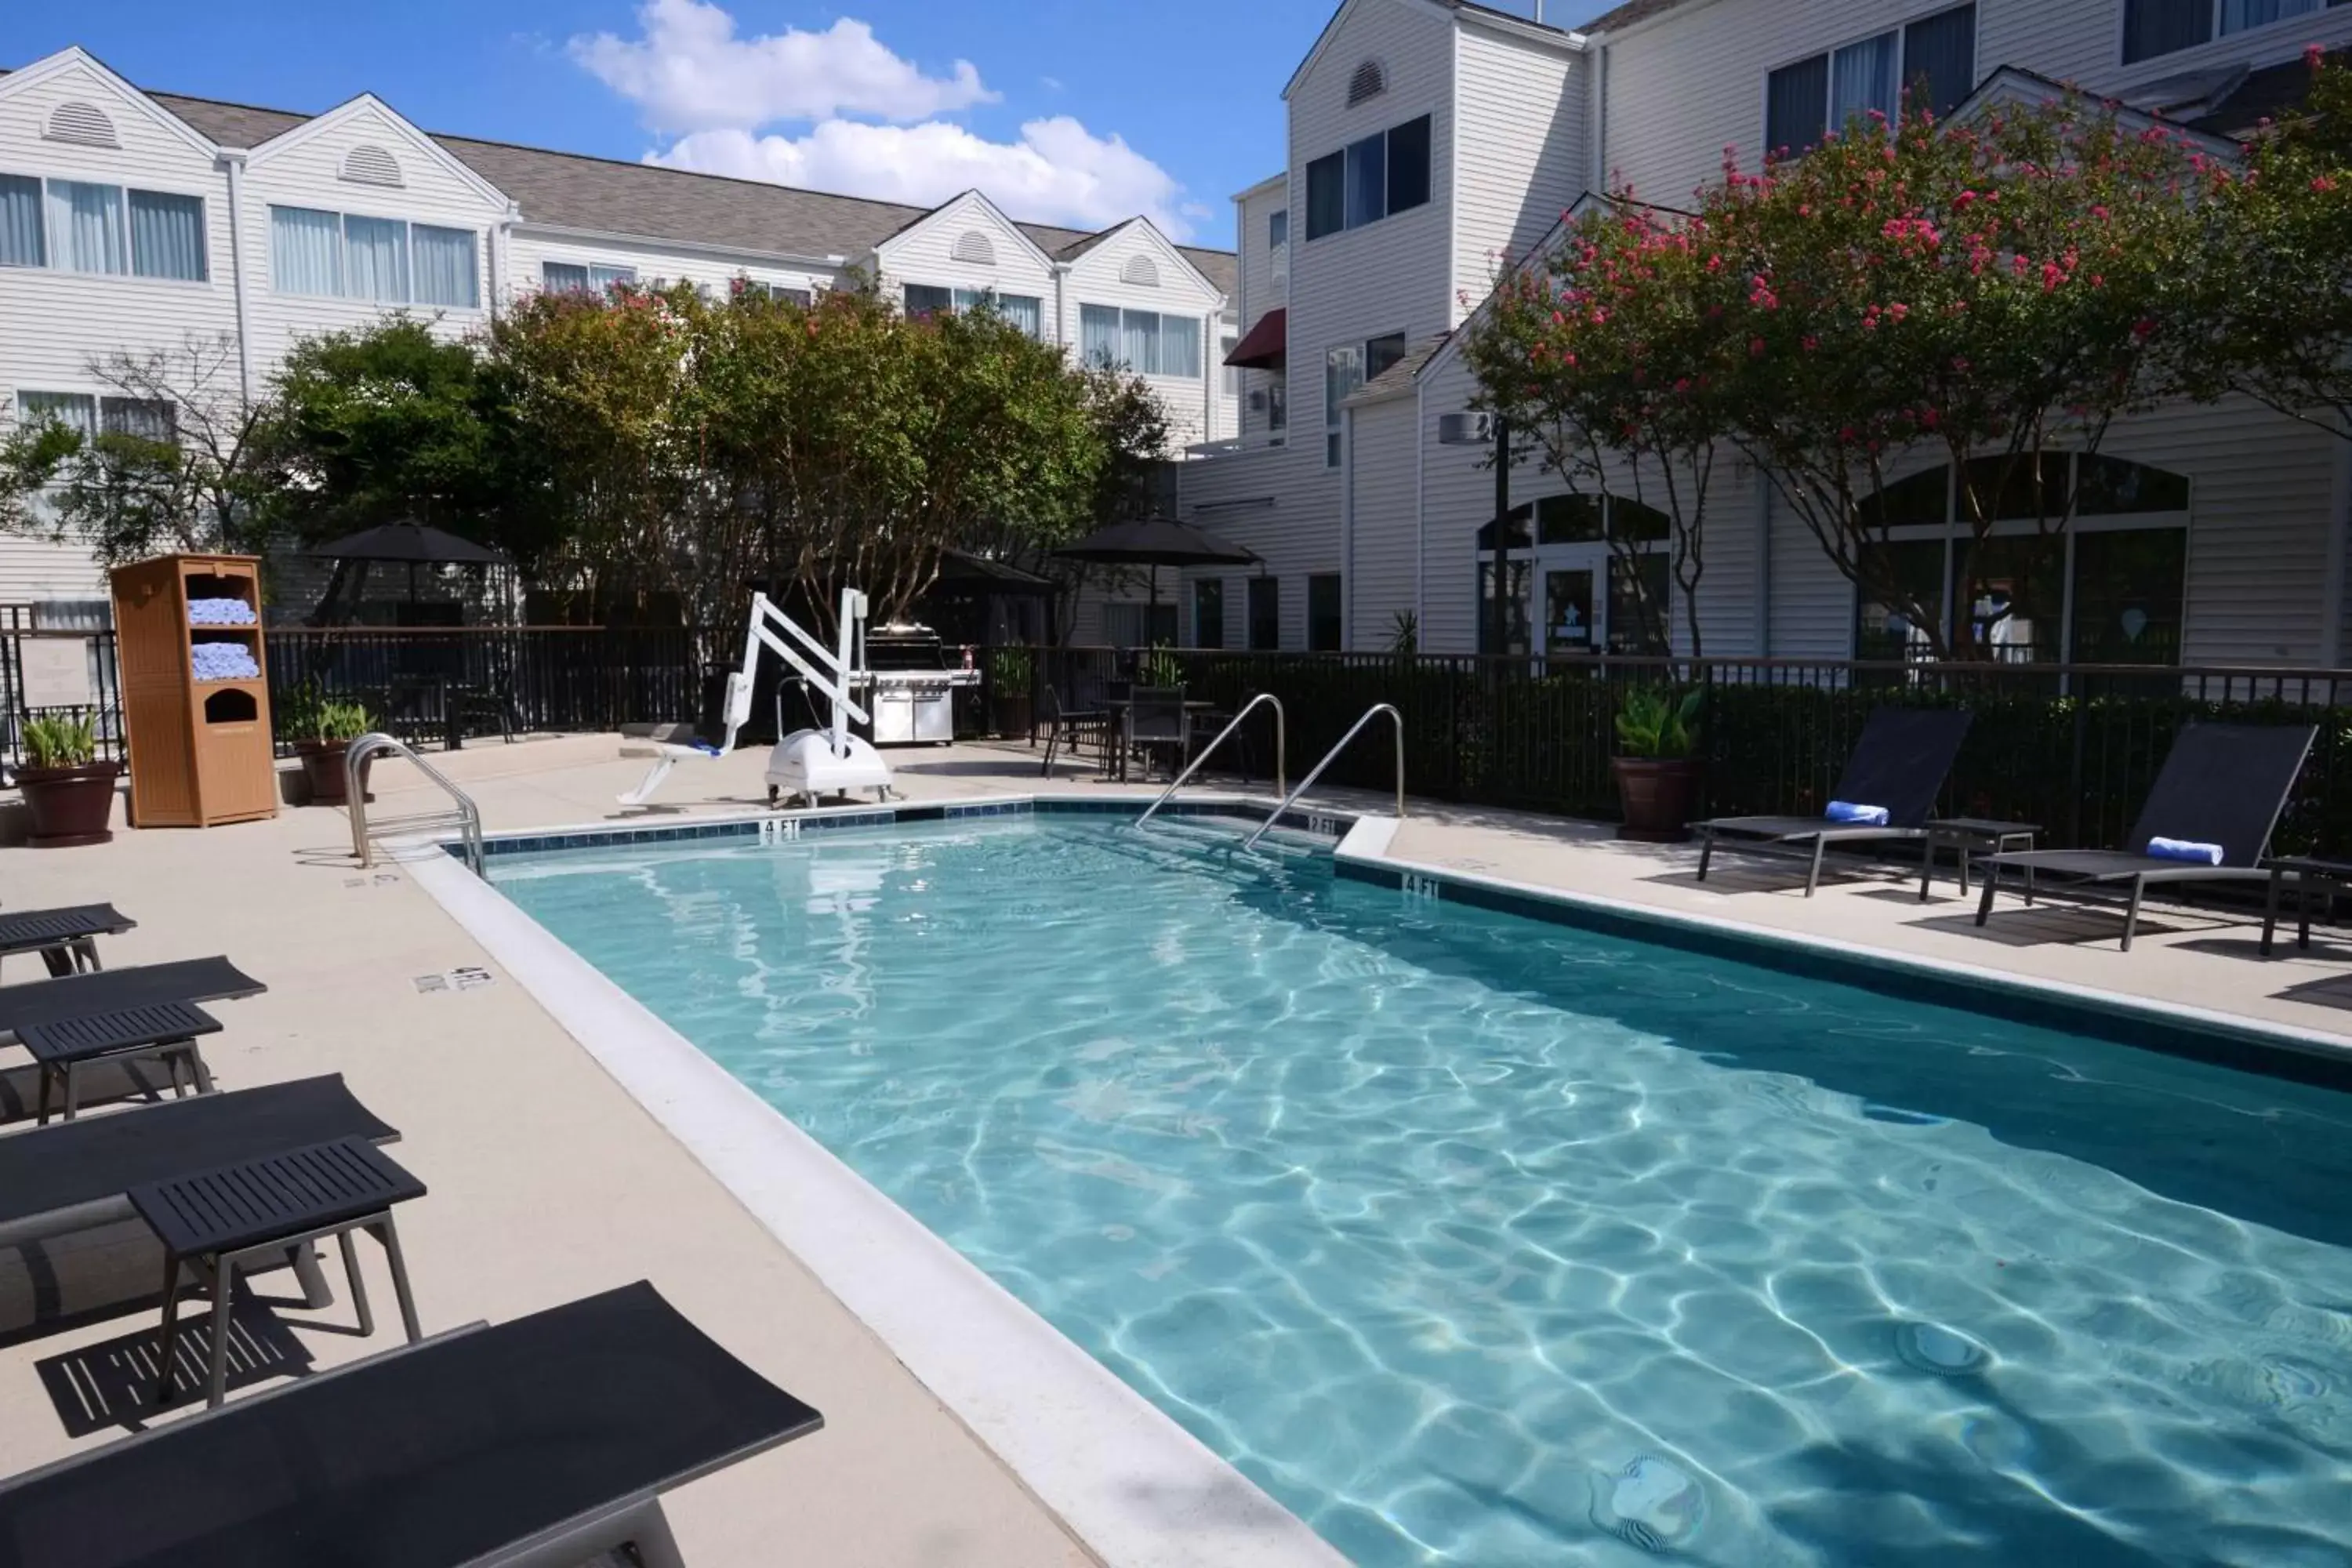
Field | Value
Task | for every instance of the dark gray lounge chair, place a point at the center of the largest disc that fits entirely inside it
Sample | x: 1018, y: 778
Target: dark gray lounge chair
x: 534, y: 1444
x: 1899, y: 761
x: 2220, y: 784
x: 64, y: 938
x: 70, y: 1177
x: 117, y: 990
x: 118, y: 1017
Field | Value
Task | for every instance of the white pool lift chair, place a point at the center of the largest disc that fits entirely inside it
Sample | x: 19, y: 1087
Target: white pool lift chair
x: 809, y: 763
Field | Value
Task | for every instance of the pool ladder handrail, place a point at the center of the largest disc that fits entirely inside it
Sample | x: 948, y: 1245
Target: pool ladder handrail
x: 464, y: 815
x: 1308, y: 782
x: 1280, y: 743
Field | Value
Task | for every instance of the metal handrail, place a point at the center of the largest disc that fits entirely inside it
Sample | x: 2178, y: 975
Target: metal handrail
x: 1280, y: 744
x: 1308, y: 782
x: 470, y: 815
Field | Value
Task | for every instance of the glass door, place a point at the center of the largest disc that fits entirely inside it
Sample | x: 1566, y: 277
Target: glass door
x: 1568, y: 610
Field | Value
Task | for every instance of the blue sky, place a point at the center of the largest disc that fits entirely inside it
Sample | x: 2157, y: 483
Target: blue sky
x: 1069, y: 111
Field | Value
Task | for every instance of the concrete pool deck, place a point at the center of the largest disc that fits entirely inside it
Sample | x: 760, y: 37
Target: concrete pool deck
x: 549, y: 1181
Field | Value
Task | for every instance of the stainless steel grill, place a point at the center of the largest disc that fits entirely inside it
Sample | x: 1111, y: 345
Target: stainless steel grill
x: 912, y: 685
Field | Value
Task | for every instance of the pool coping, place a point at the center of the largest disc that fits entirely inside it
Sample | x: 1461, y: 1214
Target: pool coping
x: 1130, y: 1482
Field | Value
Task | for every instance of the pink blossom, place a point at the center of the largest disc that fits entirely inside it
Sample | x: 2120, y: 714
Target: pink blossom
x: 1898, y: 310
x: 1755, y: 348
x: 2313, y: 54
x: 2323, y: 184
x: 1927, y: 419
x: 2144, y: 329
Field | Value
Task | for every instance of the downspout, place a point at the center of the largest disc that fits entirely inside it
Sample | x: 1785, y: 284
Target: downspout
x: 234, y: 164
x: 1601, y: 123
x: 1421, y: 508
x: 1062, y: 304
x: 503, y: 256
x: 2331, y: 631
x: 1348, y: 529
x: 1212, y: 326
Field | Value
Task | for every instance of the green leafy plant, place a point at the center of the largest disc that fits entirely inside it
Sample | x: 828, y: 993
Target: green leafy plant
x: 343, y: 721
x: 1405, y: 634
x: 1653, y: 721
x: 1160, y: 667
x: 1012, y: 670
x: 57, y: 741
x: 307, y: 713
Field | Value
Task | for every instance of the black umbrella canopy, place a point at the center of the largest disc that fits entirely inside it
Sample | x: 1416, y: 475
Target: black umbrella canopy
x: 413, y: 542
x: 1156, y: 542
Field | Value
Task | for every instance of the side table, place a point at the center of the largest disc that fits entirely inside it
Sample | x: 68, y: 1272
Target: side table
x: 1969, y: 835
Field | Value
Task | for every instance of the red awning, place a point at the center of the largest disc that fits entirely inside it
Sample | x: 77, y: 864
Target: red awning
x: 1263, y: 346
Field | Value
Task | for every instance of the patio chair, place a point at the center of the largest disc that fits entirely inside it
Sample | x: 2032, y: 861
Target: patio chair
x: 1898, y: 764
x: 78, y: 1175
x: 1155, y: 723
x: 1072, y: 729
x: 2221, y: 785
x: 64, y: 938
x: 538, y: 1442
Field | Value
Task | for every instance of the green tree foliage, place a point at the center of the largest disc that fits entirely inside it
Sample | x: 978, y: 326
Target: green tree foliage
x: 2278, y: 278
x: 389, y: 423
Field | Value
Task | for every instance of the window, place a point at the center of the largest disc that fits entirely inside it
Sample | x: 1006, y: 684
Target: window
x: 1383, y: 173
x: 386, y: 260
x: 1323, y: 616
x: 150, y: 419
x: 1277, y: 405
x: 1023, y: 310
x: 1139, y: 625
x: 1144, y: 341
x: 77, y: 225
x: 1566, y: 519
x: 785, y: 293
x: 1209, y: 613
x: 74, y: 410
x: 2153, y: 27
x: 1933, y: 60
x: 1277, y: 244
x: 1347, y: 368
x: 1264, y: 614
x: 2105, y: 589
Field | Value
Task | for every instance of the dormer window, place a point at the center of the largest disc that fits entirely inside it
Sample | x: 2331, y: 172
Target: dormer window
x: 1370, y: 80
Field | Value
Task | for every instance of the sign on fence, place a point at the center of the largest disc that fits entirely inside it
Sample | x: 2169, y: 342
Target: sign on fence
x: 56, y: 672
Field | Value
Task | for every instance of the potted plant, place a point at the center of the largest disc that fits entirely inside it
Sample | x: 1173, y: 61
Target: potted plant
x: 1011, y: 683
x: 69, y: 794
x: 324, y: 730
x: 1657, y: 777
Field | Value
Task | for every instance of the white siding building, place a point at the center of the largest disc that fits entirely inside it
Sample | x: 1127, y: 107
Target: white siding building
x: 2222, y: 537
x: 137, y: 222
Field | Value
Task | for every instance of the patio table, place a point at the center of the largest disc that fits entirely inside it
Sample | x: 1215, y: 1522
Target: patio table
x: 1120, y: 707
x: 1971, y: 835
x: 2331, y: 875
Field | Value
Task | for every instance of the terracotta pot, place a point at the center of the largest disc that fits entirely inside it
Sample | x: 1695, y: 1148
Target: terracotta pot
x: 1657, y: 795
x: 70, y: 805
x: 322, y: 765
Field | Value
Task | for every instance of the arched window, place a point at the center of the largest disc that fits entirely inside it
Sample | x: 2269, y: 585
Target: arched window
x: 973, y: 248
x: 371, y: 165
x: 85, y: 124
x: 2083, y: 560
x: 1370, y: 79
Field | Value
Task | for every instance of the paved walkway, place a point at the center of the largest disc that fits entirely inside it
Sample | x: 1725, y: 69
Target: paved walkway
x: 549, y: 1182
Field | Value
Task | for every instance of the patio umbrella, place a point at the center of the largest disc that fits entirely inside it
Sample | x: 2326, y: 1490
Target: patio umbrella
x: 411, y: 543
x: 1153, y: 542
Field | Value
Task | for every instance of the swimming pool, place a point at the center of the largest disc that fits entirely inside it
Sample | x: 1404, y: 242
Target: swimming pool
x: 1477, y: 1240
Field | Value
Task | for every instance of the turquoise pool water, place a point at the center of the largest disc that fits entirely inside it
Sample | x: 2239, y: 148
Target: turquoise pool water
x: 1483, y: 1241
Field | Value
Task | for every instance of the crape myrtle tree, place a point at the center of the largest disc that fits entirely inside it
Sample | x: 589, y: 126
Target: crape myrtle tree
x: 2278, y: 294
x: 1998, y: 290
x: 1608, y: 356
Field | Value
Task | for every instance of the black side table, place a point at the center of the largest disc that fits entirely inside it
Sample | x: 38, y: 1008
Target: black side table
x: 220, y: 1220
x: 161, y: 1031
x: 2332, y: 877
x: 1967, y: 834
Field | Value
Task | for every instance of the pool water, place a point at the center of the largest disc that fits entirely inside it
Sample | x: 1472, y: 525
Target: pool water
x: 1479, y: 1240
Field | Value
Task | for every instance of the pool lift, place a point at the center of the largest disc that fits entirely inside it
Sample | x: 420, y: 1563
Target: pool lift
x: 807, y: 763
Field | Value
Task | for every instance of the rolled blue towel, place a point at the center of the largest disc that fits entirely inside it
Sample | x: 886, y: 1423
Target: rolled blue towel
x: 2187, y: 849
x: 1859, y: 815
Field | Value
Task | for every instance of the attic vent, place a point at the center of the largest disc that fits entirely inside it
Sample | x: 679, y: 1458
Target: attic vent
x: 1142, y: 271
x: 371, y: 165
x: 81, y: 122
x: 1369, y: 82
x: 974, y: 248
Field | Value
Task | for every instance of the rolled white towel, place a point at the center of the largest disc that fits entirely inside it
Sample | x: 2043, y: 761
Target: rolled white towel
x: 2184, y: 850
x: 1846, y: 811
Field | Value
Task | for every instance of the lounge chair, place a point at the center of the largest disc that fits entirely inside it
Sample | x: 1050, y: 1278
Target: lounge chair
x: 1899, y: 763
x: 537, y: 1443
x: 2222, y: 784
x: 119, y: 1016
x: 118, y: 990
x: 64, y: 938
x: 56, y: 1179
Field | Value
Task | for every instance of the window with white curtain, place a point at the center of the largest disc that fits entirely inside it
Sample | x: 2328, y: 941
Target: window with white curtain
x: 1933, y: 59
x: 1025, y: 311
x: 149, y: 418
x: 384, y: 260
x: 74, y: 410
x: 2153, y: 28
x: 1148, y: 342
x: 83, y: 225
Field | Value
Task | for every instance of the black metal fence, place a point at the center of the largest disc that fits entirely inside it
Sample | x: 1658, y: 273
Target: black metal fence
x: 2073, y: 748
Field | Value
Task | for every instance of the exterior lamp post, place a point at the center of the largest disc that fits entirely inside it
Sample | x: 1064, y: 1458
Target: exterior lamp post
x: 1477, y: 430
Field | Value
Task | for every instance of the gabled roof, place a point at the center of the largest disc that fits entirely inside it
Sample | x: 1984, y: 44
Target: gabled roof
x: 1397, y: 379
x: 1508, y: 21
x: 74, y: 57
x: 573, y: 190
x: 368, y: 105
x: 1632, y: 11
x: 2014, y: 84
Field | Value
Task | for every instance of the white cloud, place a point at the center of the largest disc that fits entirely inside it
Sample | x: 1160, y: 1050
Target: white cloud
x: 691, y: 73
x: 1059, y: 171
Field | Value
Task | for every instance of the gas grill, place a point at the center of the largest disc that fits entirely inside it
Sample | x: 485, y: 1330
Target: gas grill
x: 912, y: 685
